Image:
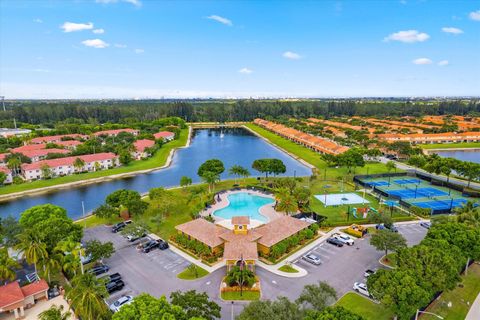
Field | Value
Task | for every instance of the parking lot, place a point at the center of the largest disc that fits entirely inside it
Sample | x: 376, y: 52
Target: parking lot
x: 154, y: 272
x: 341, y: 266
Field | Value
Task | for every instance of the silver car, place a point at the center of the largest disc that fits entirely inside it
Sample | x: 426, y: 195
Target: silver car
x: 313, y: 259
x: 114, y: 307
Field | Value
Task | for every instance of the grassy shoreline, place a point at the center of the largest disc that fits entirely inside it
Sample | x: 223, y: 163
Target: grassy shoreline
x: 158, y: 160
x: 441, y: 146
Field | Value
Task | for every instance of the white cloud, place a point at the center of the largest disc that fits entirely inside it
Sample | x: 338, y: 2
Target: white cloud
x: 443, y: 63
x: 245, y: 71
x: 452, y: 30
x: 37, y: 20
x: 139, y: 51
x: 98, y: 31
x: 95, y: 43
x: 71, y: 26
x: 422, y: 61
x: 475, y: 15
x: 120, y: 45
x: 407, y: 36
x: 137, y: 3
x: 291, y: 55
x: 223, y: 20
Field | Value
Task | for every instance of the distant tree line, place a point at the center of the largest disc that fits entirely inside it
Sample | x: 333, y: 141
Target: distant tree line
x: 128, y: 111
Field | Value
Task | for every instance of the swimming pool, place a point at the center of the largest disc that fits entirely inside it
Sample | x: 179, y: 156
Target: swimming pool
x: 244, y: 204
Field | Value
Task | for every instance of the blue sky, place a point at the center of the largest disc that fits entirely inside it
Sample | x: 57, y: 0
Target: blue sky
x: 153, y: 49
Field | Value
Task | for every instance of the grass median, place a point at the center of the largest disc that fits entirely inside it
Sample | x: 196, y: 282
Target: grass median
x: 364, y: 307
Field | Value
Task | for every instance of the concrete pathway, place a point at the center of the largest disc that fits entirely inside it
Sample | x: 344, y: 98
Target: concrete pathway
x: 474, y: 312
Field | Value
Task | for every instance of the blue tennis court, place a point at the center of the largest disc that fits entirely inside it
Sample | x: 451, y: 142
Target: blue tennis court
x: 377, y: 183
x: 419, y: 193
x: 407, y: 181
x: 441, y: 205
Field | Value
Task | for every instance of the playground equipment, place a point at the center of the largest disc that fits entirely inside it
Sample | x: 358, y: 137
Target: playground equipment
x: 356, y: 230
x: 363, y: 211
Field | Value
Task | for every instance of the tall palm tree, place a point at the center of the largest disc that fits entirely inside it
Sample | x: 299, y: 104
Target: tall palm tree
x: 469, y: 214
x: 13, y: 164
x: 55, y: 313
x: 52, y: 264
x: 238, y: 171
x: 86, y: 296
x: 210, y: 178
x: 7, y: 266
x: 33, y: 249
x: 285, y: 201
x: 78, y: 164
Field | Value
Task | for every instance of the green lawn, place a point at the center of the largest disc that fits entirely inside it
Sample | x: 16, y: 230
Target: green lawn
x: 390, y: 259
x: 159, y: 159
x: 368, y: 309
x: 235, y: 295
x: 450, y: 145
x: 187, y: 274
x: 313, y: 157
x: 288, y: 268
x: 94, y: 221
x: 467, y: 292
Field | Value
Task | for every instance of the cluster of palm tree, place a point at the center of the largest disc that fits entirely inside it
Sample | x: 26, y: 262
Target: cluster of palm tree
x: 239, y: 171
x: 290, y: 197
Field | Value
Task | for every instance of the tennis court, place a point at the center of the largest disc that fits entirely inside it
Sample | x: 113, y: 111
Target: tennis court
x: 407, y: 181
x: 417, y: 193
x: 441, y: 204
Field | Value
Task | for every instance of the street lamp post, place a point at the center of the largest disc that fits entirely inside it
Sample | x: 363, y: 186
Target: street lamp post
x: 431, y: 313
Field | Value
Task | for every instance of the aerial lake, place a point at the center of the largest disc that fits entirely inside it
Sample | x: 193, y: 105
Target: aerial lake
x: 231, y: 145
x: 464, y: 155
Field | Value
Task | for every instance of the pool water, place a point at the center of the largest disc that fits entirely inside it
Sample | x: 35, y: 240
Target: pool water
x: 244, y: 204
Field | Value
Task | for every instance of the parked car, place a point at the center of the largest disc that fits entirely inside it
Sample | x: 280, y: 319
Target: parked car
x: 99, y: 269
x: 361, y: 288
x: 313, y: 259
x: 368, y: 273
x: 134, y: 237
x: 115, y: 306
x: 345, y: 239
x: 425, y: 224
x: 335, y: 242
x: 389, y: 227
x: 86, y: 259
x: 119, y: 226
x: 113, y: 286
x: 162, y: 245
x: 112, y: 277
x: 150, y: 245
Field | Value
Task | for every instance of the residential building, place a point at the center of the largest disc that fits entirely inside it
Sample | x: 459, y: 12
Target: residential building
x: 8, y: 172
x: 6, y: 132
x: 164, y: 135
x: 3, y: 157
x: 140, y: 148
x: 65, y: 166
x: 58, y: 138
x: 41, y: 154
x: 446, y: 137
x: 315, y: 143
x: 15, y: 299
x: 115, y: 132
x: 242, y: 242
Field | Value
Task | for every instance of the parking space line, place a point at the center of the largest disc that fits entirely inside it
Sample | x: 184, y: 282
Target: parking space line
x: 327, y: 250
x: 323, y: 255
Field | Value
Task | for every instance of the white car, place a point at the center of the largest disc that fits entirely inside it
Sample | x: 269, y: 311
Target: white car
x: 361, y: 288
x: 345, y: 239
x: 115, y: 307
x: 313, y: 259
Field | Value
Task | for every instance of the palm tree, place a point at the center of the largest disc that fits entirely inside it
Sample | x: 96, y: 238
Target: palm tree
x: 286, y: 202
x: 55, y: 313
x: 7, y: 266
x: 210, y: 178
x: 13, y: 164
x: 238, y: 171
x: 78, y: 164
x: 33, y: 249
x: 72, y: 252
x: 86, y: 296
x: 52, y: 264
x: 469, y: 214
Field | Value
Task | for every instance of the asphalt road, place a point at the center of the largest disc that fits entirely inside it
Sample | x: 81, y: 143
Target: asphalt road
x: 155, y: 272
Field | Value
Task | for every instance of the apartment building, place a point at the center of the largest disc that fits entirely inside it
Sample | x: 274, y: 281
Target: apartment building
x: 140, y: 148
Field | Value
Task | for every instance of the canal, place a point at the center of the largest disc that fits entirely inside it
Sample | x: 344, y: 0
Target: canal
x: 231, y: 145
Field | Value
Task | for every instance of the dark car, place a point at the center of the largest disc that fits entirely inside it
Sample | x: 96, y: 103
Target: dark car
x: 389, y: 227
x: 335, y: 242
x: 425, y: 224
x: 113, y: 286
x: 119, y: 226
x: 162, y: 245
x: 112, y: 277
x: 99, y: 270
x: 150, y: 245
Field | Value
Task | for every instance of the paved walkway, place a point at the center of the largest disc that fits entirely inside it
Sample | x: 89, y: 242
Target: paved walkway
x: 474, y: 312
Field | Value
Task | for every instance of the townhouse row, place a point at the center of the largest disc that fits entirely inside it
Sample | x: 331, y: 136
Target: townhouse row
x: 430, y: 138
x: 315, y: 143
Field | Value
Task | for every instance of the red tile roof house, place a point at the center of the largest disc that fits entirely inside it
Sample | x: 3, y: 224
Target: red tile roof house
x: 114, y: 133
x: 38, y: 155
x: 64, y: 166
x: 14, y: 298
x: 140, y: 146
x: 2, y: 159
x: 8, y: 172
x: 164, y: 135
x: 58, y: 138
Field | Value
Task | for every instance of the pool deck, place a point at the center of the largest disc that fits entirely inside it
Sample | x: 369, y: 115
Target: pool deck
x: 267, y: 210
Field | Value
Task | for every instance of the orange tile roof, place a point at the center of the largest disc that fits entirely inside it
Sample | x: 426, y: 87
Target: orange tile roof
x: 35, y: 287
x: 163, y: 134
x: 241, y: 220
x: 241, y: 248
x: 57, y: 138
x: 68, y: 161
x: 10, y: 294
x: 203, y: 231
x: 115, y: 132
x: 141, y: 145
x: 279, y: 229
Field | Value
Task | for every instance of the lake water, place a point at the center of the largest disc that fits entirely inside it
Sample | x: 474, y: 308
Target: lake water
x: 464, y: 155
x: 231, y: 145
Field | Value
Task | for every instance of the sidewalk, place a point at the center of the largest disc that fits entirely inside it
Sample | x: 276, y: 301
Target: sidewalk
x: 474, y: 312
